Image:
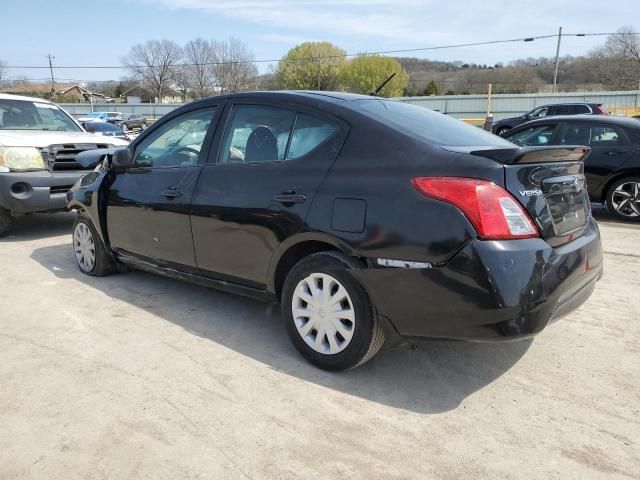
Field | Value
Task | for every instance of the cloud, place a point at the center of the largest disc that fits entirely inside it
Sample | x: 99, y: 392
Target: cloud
x: 395, y: 24
x: 379, y: 18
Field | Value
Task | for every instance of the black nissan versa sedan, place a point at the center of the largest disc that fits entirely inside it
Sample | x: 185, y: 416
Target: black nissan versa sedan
x: 361, y: 216
x: 612, y: 169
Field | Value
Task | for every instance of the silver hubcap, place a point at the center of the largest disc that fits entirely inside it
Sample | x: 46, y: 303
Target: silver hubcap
x: 626, y: 199
x: 323, y: 313
x: 84, y: 247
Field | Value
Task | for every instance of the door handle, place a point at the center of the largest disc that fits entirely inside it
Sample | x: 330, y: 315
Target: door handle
x: 171, y: 193
x: 290, y: 197
x: 615, y: 152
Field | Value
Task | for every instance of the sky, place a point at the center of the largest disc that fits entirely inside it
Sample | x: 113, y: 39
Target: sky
x: 83, y: 33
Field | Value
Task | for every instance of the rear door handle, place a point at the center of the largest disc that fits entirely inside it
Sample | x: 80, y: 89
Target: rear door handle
x: 290, y: 198
x: 171, y: 193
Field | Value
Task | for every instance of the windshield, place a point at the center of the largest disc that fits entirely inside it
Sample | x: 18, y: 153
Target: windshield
x: 433, y: 127
x: 26, y: 115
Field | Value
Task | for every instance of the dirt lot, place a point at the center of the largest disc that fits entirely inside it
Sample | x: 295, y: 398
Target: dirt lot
x: 136, y: 376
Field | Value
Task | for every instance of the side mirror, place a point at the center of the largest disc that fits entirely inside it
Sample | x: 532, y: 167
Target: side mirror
x: 121, y: 159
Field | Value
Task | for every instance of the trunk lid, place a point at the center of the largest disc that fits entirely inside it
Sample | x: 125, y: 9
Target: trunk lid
x: 549, y: 183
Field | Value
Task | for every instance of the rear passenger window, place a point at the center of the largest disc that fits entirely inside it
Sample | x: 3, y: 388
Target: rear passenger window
x: 309, y: 132
x: 580, y: 109
x: 561, y: 110
x: 605, y: 136
x: 592, y: 135
x: 257, y: 133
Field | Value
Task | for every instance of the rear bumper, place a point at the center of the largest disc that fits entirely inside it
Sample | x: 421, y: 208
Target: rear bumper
x: 490, y: 290
x: 31, y: 192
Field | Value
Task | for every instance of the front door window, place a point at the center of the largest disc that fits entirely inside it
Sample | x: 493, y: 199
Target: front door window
x: 176, y: 143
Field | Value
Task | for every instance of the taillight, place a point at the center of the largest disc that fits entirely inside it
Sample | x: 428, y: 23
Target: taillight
x: 493, y: 212
x: 600, y: 110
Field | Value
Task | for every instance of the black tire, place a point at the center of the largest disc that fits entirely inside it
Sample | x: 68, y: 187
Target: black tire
x: 501, y: 132
x: 368, y: 330
x: 627, y: 214
x: 104, y: 264
x: 6, y: 221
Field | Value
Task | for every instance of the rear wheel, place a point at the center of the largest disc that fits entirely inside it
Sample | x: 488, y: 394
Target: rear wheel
x: 6, y: 220
x: 623, y: 199
x: 91, y: 254
x: 328, y: 315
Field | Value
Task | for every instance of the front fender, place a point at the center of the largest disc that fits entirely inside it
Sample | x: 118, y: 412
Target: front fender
x: 87, y: 195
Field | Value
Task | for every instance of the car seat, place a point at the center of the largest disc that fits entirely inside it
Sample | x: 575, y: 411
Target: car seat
x: 262, y: 146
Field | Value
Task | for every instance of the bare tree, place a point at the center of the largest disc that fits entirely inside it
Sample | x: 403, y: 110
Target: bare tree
x: 235, y: 67
x: 199, y: 71
x: 617, y: 63
x: 155, y: 64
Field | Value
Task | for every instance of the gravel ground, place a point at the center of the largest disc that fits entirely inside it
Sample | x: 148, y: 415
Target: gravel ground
x: 137, y: 376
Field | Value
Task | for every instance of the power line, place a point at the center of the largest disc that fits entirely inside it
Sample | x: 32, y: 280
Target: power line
x: 329, y: 57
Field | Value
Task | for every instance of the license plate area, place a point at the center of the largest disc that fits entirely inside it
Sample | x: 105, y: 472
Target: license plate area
x: 567, y: 202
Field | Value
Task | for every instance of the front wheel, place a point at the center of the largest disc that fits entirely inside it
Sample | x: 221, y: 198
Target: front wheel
x: 91, y: 254
x: 328, y: 314
x: 623, y: 199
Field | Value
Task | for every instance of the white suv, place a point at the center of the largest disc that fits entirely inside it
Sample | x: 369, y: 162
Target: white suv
x: 38, y: 145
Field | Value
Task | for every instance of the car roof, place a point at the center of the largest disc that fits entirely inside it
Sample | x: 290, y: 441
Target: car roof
x: 10, y: 96
x: 331, y: 97
x: 566, y: 103
x: 610, y: 119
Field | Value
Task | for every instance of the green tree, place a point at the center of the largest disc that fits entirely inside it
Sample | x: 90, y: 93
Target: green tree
x: 311, y: 66
x: 432, y: 88
x: 366, y: 73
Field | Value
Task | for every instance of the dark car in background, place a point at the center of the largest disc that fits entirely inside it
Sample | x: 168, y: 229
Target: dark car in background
x: 612, y: 169
x: 133, y: 121
x: 363, y: 217
x: 106, y: 129
x: 503, y: 126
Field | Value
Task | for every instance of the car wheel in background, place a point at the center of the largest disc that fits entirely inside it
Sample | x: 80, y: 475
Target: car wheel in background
x: 143, y: 126
x: 623, y: 199
x: 6, y: 220
x: 91, y: 254
x: 124, y: 126
x: 328, y: 314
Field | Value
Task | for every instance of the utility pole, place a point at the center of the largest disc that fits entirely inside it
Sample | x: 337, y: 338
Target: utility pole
x: 555, y: 73
x: 53, y: 82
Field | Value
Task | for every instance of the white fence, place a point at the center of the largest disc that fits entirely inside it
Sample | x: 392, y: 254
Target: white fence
x: 458, y: 106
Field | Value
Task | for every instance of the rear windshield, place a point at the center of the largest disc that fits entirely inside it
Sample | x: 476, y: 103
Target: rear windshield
x: 433, y: 127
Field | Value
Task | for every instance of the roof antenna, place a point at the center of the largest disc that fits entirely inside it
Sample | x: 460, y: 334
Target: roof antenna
x: 375, y: 94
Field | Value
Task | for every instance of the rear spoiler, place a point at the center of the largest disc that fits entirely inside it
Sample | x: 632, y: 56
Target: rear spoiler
x: 544, y: 154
